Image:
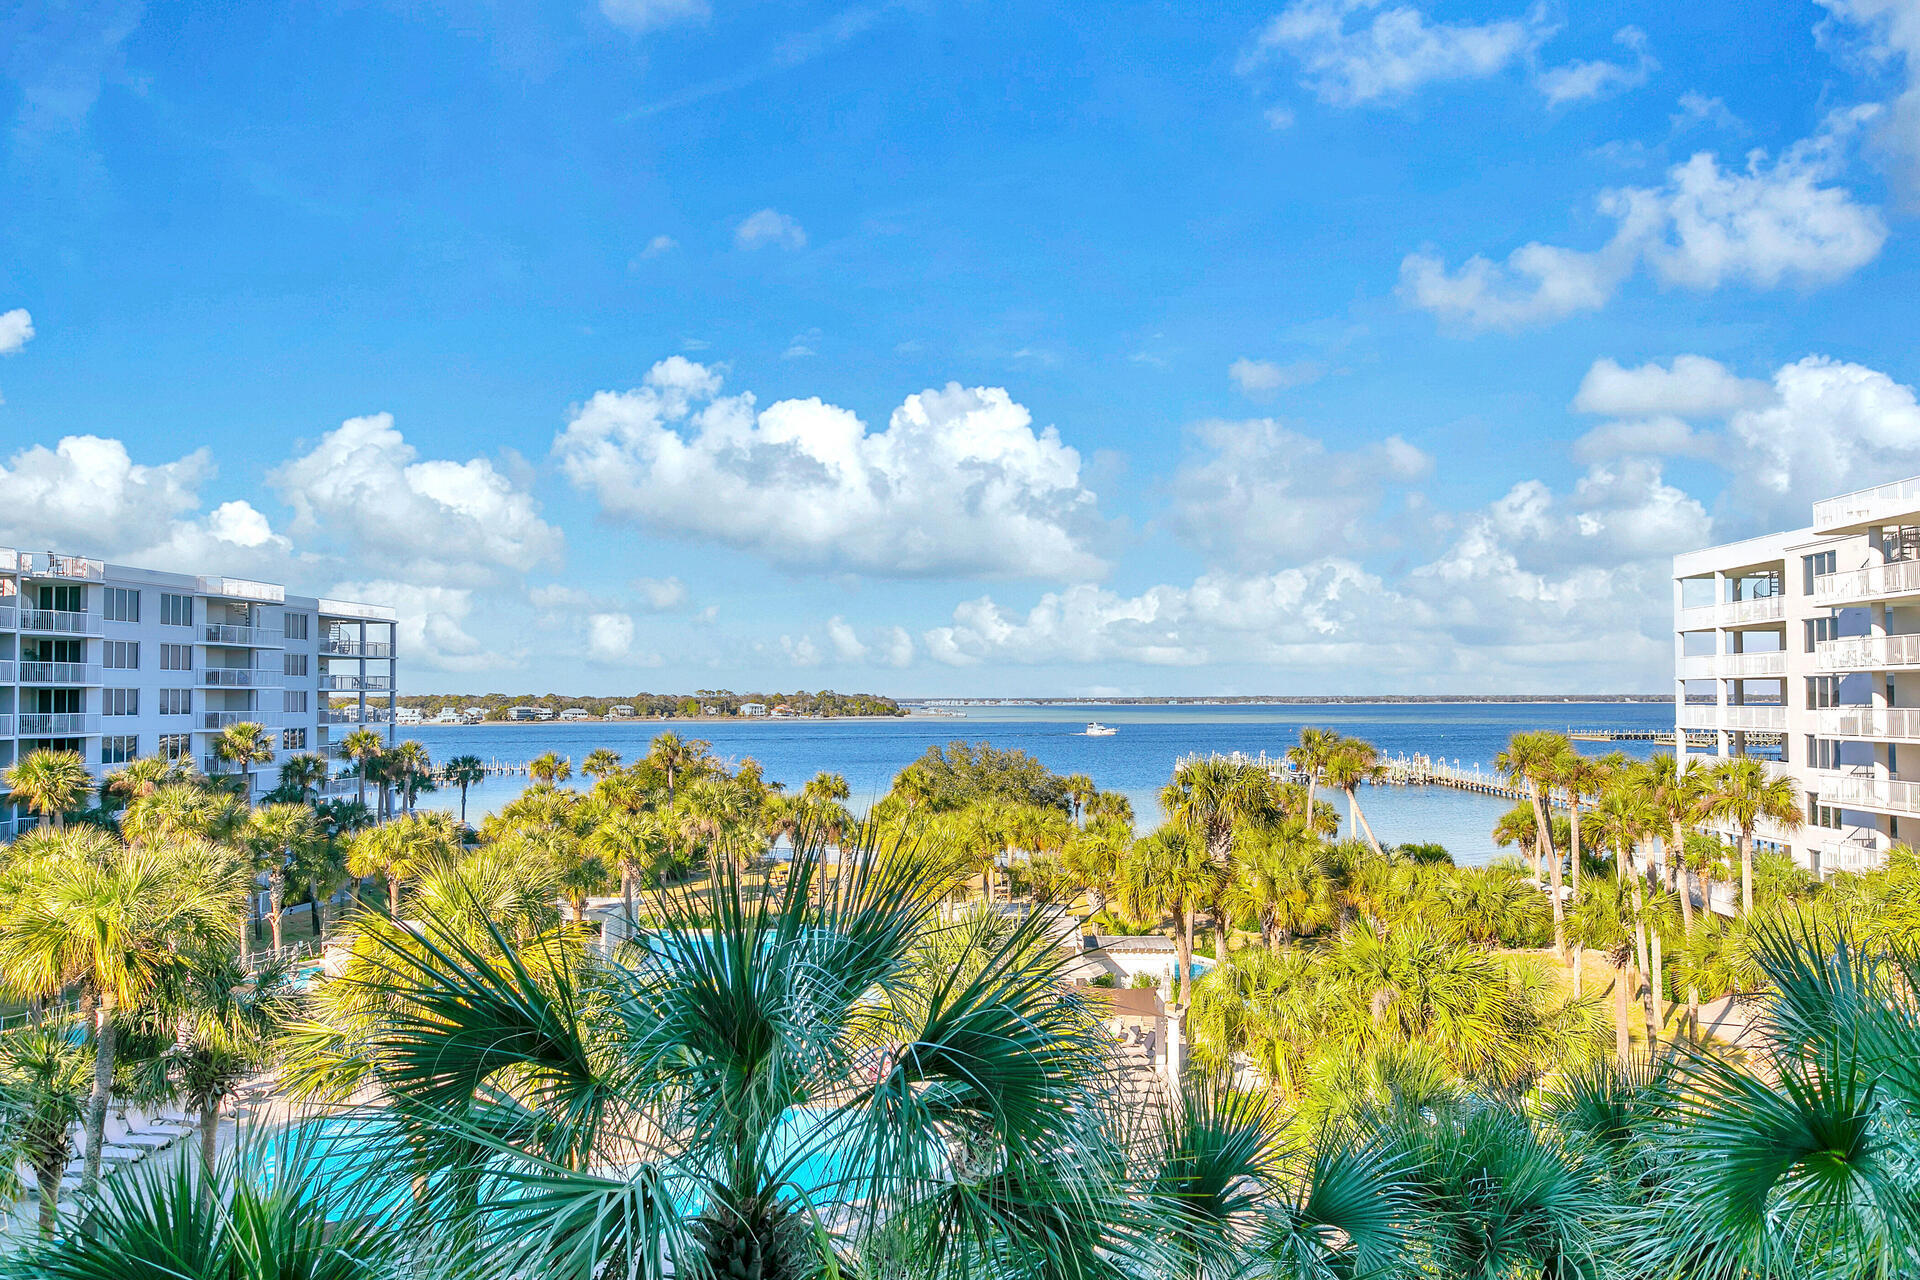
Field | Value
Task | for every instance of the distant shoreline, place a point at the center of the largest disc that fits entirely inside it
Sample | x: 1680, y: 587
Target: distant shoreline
x: 1372, y: 699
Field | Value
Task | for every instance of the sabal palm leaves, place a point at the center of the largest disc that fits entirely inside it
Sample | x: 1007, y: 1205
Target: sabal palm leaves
x: 43, y: 1094
x: 464, y: 772
x: 1169, y: 874
x: 1348, y: 764
x: 1536, y: 759
x: 1739, y: 791
x: 244, y: 745
x: 50, y: 783
x: 363, y: 747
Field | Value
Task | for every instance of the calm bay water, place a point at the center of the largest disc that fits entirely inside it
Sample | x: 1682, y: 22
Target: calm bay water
x: 1136, y: 761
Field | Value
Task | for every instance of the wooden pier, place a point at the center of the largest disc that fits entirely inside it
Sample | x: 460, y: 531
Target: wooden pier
x: 1398, y: 771
x: 1703, y: 738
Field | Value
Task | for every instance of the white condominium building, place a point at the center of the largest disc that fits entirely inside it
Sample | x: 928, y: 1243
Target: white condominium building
x: 115, y: 662
x: 1803, y: 649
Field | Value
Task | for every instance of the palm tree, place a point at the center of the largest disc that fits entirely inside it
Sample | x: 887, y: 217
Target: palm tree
x: 1311, y: 756
x: 1278, y: 880
x: 1739, y: 791
x: 43, y: 1095
x: 50, y: 783
x: 914, y: 787
x: 1080, y: 789
x: 729, y: 1070
x: 1623, y: 817
x: 1579, y: 776
x: 1092, y: 856
x: 636, y: 844
x: 177, y: 811
x: 225, y: 1018
x: 244, y: 745
x: 1214, y: 798
x: 550, y: 769
x: 601, y: 763
x: 1534, y: 758
x: 674, y: 758
x: 146, y: 775
x: 92, y: 913
x: 280, y: 837
x: 1349, y: 763
x: 390, y: 851
x: 305, y: 772
x: 363, y: 747
x: 1169, y: 874
x: 464, y: 771
x: 411, y: 768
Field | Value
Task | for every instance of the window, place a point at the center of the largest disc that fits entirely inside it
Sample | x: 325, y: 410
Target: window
x: 1815, y: 565
x: 294, y: 664
x: 1822, y: 815
x: 1819, y: 629
x: 119, y: 702
x: 119, y: 750
x: 1823, y: 691
x: 123, y: 604
x: 1823, y: 753
x: 176, y: 746
x: 176, y: 611
x: 295, y: 625
x: 176, y: 702
x: 120, y: 655
x: 293, y: 739
x: 296, y: 700
x: 176, y: 657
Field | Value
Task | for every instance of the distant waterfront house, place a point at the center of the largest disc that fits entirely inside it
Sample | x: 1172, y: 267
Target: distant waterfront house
x: 753, y: 708
x: 621, y: 711
x: 473, y: 715
x: 528, y: 713
x: 575, y: 713
x: 449, y: 716
x: 782, y: 710
x: 408, y: 715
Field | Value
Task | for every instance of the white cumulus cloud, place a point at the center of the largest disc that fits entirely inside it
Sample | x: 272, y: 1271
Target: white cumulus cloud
x: 958, y: 484
x: 1890, y: 31
x: 769, y: 227
x: 609, y: 636
x: 16, y: 328
x: 1354, y: 52
x: 1264, y: 377
x: 1772, y: 222
x: 1584, y: 80
x: 1687, y: 387
x: 847, y: 645
x: 1256, y: 491
x: 366, y: 491
x: 433, y: 624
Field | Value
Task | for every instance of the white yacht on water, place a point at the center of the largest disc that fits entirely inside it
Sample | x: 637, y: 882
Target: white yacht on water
x: 1097, y: 730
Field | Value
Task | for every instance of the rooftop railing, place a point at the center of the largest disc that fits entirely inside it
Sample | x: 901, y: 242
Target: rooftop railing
x: 49, y: 565
x: 1899, y: 497
x: 243, y: 589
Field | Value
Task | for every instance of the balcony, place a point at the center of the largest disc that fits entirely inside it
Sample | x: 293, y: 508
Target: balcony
x: 356, y: 684
x: 1869, y: 724
x: 240, y: 678
x: 1740, y: 613
x: 333, y: 648
x: 6, y: 726
x: 1707, y: 715
x: 1879, y: 505
x: 58, y: 724
x: 214, y: 721
x: 1862, y: 791
x: 6, y: 671
x: 351, y: 715
x: 60, y: 622
x: 67, y: 568
x: 1856, y: 854
x: 9, y: 617
x: 73, y: 673
x: 245, y: 637
x: 1733, y: 666
x: 1868, y: 653
x: 1875, y: 582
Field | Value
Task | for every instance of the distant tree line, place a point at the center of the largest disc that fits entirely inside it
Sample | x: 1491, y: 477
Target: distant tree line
x: 718, y: 702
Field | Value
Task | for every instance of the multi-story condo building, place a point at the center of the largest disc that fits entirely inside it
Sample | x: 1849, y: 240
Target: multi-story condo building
x: 116, y: 662
x: 1803, y: 649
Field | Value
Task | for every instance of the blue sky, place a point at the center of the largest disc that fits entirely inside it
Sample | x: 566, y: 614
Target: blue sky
x: 960, y: 348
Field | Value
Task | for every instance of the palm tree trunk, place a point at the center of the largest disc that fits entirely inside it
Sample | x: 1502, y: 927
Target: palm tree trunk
x: 47, y: 1172
x: 1183, y: 953
x: 1579, y: 969
x: 276, y: 902
x: 1360, y: 820
x: 1746, y: 871
x: 463, y: 822
x: 393, y: 895
x: 209, y: 1136
x: 1622, y: 1048
x: 1656, y: 993
x: 1575, y: 857
x: 627, y: 878
x: 103, y: 1049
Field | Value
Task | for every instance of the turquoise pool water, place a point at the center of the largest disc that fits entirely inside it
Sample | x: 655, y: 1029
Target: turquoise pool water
x: 347, y: 1152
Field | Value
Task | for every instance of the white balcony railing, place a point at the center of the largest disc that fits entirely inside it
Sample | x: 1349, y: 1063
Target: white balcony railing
x: 1861, y: 792
x: 354, y: 649
x: 351, y: 715
x: 1867, y: 653
x: 59, y: 724
x: 1707, y: 715
x: 1736, y: 613
x: 6, y: 726
x: 243, y: 589
x: 1893, y: 724
x: 355, y: 684
x: 59, y: 673
x: 60, y: 621
x: 1733, y: 666
x: 229, y: 633
x: 6, y: 671
x: 1854, y: 854
x: 1878, y: 581
x: 240, y: 678
x: 9, y: 617
x: 1864, y: 506
x: 214, y: 721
